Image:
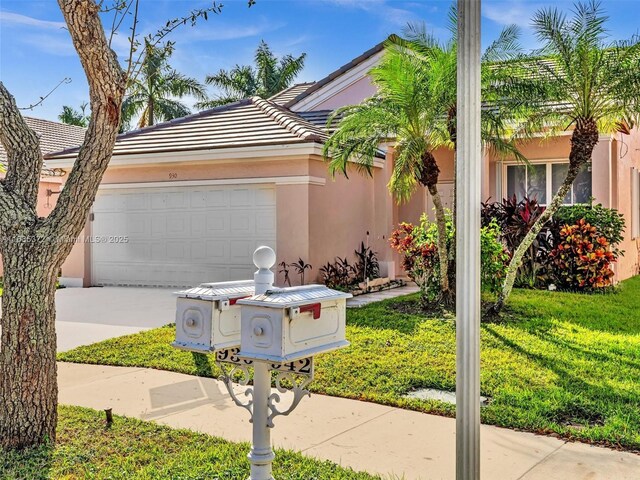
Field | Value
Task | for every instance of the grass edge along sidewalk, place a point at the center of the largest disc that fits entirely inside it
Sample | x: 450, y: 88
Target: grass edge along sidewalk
x: 562, y: 364
x: 135, y: 449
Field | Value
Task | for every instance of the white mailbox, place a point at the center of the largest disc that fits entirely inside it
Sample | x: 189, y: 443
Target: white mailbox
x: 208, y: 318
x: 286, y: 324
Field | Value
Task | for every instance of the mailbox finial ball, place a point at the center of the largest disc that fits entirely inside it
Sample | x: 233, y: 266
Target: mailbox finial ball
x: 264, y: 257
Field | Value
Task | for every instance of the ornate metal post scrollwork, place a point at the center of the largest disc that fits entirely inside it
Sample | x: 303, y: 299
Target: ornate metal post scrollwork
x: 263, y: 403
x: 299, y: 382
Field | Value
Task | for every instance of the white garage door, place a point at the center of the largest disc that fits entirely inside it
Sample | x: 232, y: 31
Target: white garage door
x: 180, y: 236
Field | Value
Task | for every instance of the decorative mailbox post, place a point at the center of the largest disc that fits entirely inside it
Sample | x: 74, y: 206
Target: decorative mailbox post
x: 279, y: 329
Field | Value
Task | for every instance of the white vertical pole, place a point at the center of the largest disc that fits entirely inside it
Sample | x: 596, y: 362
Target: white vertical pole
x: 468, y: 188
x: 261, y: 455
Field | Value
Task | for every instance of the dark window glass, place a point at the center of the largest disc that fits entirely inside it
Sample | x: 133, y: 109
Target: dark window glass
x: 516, y: 181
x: 537, y: 179
x: 558, y: 174
x: 582, y: 185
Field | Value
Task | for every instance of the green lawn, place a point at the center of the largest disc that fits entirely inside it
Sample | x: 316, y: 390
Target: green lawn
x: 563, y: 363
x: 133, y: 449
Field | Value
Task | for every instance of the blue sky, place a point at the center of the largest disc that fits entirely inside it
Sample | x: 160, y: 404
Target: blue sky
x: 36, y: 52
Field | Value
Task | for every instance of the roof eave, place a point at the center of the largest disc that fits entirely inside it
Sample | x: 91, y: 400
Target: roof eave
x: 295, y: 148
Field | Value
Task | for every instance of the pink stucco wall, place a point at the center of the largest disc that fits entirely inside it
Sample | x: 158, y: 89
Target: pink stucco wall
x: 314, y: 222
x: 625, y: 152
x: 319, y: 222
x: 354, y: 94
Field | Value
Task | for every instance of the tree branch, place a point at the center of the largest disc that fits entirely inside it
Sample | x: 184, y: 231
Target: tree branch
x: 106, y: 89
x: 65, y: 80
x: 23, y: 151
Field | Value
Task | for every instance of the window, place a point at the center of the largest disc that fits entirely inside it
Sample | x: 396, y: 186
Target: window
x: 542, y: 180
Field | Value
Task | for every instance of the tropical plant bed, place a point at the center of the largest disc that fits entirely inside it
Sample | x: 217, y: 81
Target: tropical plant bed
x: 560, y: 363
x: 133, y: 449
x: 377, y: 285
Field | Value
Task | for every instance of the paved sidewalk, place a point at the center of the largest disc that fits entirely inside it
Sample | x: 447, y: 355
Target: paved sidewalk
x: 367, y: 298
x: 364, y: 436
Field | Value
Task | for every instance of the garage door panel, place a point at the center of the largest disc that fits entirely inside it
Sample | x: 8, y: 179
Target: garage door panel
x: 198, y: 225
x: 241, y: 197
x: 266, y: 223
x: 242, y: 223
x: 178, y: 224
x: 217, y: 198
x: 178, y: 251
x: 217, y: 251
x: 217, y: 223
x: 198, y: 199
x: 135, y: 202
x: 241, y: 273
x: 181, y: 236
x: 241, y: 249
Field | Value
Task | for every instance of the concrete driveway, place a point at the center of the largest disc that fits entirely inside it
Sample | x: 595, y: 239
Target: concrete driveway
x: 90, y: 315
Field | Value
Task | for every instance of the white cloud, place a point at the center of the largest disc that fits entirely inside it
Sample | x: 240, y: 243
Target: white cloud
x: 381, y: 8
x: 508, y: 13
x: 10, y: 18
x: 51, y: 44
x: 213, y: 32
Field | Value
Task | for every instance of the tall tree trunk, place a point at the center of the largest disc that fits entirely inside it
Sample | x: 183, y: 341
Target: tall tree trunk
x: 583, y: 141
x: 446, y: 295
x: 452, y: 128
x: 429, y: 178
x: 150, y: 112
x: 28, y: 386
x: 33, y: 248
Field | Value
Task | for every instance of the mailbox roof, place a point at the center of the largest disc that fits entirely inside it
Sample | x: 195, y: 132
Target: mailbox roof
x: 220, y: 290
x: 294, y: 296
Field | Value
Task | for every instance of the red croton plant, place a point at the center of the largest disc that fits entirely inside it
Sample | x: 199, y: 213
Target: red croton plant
x: 405, y: 242
x: 582, y: 258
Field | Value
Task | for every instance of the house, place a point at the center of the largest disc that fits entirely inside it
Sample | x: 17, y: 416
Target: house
x: 188, y: 200
x: 53, y: 136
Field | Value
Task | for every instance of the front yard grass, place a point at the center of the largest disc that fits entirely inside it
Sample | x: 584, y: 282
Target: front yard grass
x: 133, y: 449
x: 562, y: 364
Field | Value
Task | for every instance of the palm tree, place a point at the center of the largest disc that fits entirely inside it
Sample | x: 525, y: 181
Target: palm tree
x: 71, y: 116
x: 499, y: 122
x: 404, y: 110
x: 416, y: 106
x: 269, y: 76
x: 152, y: 95
x: 582, y: 82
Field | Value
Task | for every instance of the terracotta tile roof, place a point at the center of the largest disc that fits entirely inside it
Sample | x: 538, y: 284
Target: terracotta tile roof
x: 250, y: 122
x: 290, y: 93
x: 320, y: 118
x: 54, y: 136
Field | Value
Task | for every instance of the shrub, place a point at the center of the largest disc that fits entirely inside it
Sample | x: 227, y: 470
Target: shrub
x: 419, y: 250
x: 300, y: 267
x: 342, y: 275
x: 514, y: 219
x: 367, y: 265
x: 339, y: 274
x: 608, y: 221
x: 494, y: 258
x: 582, y: 258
